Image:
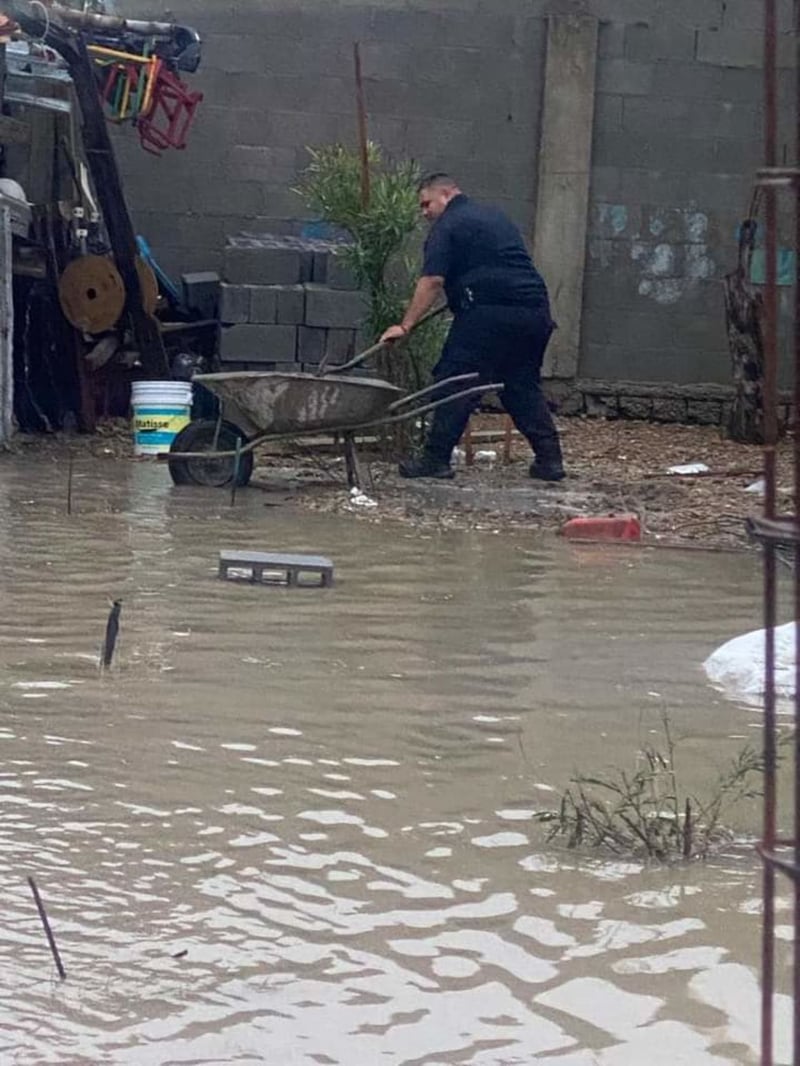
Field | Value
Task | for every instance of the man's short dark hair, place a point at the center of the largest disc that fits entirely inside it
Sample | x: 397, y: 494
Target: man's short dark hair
x: 439, y: 179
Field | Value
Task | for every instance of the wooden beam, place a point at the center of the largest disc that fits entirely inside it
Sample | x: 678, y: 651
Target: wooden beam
x: 111, y: 196
x: 12, y: 131
x: 38, y: 183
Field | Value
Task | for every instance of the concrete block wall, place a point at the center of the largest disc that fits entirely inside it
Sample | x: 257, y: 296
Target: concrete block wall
x: 458, y: 85
x: 677, y: 141
x: 451, y: 86
x: 275, y: 317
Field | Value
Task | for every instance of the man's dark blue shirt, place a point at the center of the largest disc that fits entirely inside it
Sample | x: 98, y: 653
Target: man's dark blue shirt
x: 479, y: 251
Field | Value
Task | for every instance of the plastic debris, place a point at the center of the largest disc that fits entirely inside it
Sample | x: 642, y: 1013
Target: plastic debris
x: 486, y: 456
x: 689, y: 468
x: 757, y: 488
x: 737, y: 667
x: 603, y: 527
x: 360, y: 499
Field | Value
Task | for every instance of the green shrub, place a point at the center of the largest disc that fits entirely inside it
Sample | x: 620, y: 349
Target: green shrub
x: 383, y: 251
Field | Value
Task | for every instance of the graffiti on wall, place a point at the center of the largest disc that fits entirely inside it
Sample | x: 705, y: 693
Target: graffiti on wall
x: 665, y: 249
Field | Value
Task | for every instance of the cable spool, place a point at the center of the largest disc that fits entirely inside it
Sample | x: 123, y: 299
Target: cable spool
x: 148, y: 283
x: 92, y: 295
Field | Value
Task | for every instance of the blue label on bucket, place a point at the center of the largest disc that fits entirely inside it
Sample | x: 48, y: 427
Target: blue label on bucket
x: 151, y: 437
x: 176, y: 409
x: 156, y: 426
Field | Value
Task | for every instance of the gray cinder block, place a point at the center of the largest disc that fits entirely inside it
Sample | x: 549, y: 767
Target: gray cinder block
x: 739, y: 48
x: 311, y: 344
x: 340, y: 345
x: 340, y: 274
x: 258, y: 265
x: 258, y: 343
x: 291, y: 304
x: 625, y: 76
x: 334, y: 308
x: 319, y: 269
x: 201, y: 292
x: 234, y: 304
x: 263, y: 304
x: 669, y: 40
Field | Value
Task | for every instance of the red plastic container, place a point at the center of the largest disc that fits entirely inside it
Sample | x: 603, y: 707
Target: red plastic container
x: 603, y: 527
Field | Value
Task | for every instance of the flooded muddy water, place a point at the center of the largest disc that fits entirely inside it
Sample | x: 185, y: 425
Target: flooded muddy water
x: 295, y: 826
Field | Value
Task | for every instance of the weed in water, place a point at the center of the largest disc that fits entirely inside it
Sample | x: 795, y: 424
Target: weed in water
x: 645, y: 812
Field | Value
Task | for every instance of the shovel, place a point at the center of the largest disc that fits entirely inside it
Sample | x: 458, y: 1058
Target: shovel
x: 376, y: 348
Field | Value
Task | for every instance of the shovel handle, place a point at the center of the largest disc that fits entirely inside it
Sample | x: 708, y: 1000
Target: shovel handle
x: 380, y: 346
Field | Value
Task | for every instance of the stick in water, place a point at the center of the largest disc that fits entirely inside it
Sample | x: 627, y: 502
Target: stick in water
x: 237, y: 460
x: 69, y: 483
x: 112, y: 631
x: 51, y: 940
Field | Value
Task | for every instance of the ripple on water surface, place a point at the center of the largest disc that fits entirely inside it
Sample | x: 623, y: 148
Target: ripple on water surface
x: 306, y: 822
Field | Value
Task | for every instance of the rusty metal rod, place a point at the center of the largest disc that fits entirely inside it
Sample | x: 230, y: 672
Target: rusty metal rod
x: 363, y: 137
x: 93, y: 20
x: 770, y: 564
x: 51, y: 940
x: 796, y: 457
x: 769, y: 400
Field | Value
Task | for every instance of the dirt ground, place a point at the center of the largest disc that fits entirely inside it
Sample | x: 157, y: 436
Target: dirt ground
x: 613, y: 467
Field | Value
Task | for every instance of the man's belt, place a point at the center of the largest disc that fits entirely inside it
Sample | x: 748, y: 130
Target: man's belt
x: 470, y: 296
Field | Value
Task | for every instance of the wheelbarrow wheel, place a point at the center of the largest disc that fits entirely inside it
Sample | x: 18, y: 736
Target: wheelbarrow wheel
x: 202, y: 436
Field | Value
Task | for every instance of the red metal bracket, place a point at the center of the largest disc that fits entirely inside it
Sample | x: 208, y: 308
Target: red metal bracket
x: 170, y: 115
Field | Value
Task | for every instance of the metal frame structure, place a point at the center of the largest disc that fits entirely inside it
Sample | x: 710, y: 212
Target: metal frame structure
x: 779, y: 855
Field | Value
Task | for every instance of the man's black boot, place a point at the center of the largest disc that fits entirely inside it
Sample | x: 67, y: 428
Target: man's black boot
x: 425, y: 467
x: 547, y: 471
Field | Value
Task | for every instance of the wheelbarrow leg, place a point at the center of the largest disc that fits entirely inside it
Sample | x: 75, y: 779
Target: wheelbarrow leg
x: 469, y: 446
x: 351, y: 462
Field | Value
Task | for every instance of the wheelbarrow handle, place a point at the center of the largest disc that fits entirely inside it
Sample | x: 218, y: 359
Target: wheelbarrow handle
x: 445, y: 383
x: 379, y: 347
x: 475, y: 390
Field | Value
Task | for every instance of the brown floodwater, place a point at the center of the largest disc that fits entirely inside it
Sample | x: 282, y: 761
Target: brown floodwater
x: 322, y: 800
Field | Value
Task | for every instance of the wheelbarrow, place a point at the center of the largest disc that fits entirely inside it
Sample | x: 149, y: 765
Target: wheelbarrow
x: 258, y: 406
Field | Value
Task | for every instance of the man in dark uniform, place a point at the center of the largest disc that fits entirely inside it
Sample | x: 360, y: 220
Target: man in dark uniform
x: 477, y: 257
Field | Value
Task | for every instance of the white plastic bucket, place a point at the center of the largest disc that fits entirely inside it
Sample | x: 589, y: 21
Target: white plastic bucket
x: 160, y: 411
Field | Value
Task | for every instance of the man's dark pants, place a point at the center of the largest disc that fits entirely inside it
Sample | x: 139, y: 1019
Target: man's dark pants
x: 502, y: 344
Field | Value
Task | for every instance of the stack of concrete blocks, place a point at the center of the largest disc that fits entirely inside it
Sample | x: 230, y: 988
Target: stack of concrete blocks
x: 287, y: 303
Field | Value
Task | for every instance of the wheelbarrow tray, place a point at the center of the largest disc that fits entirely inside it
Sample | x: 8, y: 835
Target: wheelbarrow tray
x: 268, y: 402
